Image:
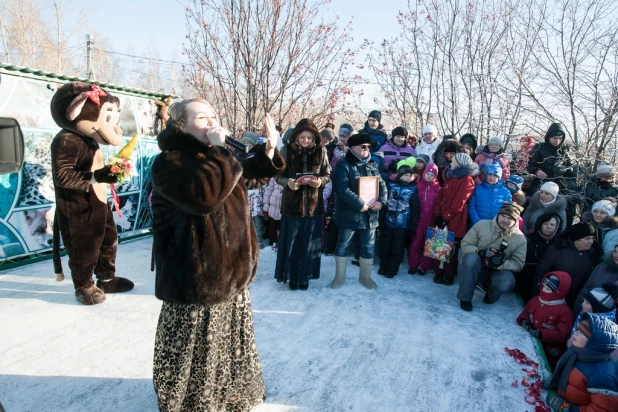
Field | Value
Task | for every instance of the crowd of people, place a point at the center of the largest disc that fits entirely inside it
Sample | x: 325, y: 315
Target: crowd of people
x: 305, y: 200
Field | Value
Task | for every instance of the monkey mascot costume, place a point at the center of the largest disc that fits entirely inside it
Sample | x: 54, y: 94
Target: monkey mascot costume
x: 88, y: 116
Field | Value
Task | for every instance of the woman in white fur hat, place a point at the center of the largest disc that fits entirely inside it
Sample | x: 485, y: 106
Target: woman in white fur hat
x: 430, y: 141
x: 546, y: 200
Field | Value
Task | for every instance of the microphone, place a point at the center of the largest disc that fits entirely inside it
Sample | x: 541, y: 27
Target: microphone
x: 241, y: 147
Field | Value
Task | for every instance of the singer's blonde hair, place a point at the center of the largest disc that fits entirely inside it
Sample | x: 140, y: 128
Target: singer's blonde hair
x: 178, y: 112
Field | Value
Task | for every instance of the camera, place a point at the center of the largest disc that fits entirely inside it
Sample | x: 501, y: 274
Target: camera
x: 497, y: 259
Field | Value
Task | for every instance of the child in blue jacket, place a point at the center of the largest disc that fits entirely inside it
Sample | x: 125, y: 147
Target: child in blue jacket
x: 400, y: 218
x: 488, y: 196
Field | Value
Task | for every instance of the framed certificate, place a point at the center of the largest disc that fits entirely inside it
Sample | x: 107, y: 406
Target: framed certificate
x: 369, y: 188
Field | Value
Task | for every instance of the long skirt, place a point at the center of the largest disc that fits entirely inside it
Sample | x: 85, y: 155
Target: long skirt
x: 300, y: 243
x: 206, y: 358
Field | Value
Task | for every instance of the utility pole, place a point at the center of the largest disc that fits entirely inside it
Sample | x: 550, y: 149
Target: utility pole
x: 89, y: 70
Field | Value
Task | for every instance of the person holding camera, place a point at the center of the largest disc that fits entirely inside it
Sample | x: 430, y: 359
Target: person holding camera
x: 395, y: 150
x: 491, y: 252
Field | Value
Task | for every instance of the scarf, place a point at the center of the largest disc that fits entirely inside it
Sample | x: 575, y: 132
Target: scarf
x: 364, y: 161
x: 560, y: 378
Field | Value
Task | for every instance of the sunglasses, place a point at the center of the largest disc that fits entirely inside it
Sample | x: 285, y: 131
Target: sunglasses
x: 365, y: 146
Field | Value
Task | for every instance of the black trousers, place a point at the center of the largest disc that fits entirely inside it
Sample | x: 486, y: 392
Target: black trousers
x: 392, y: 249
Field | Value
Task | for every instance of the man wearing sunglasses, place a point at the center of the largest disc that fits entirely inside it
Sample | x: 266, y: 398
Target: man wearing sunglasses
x: 353, y: 215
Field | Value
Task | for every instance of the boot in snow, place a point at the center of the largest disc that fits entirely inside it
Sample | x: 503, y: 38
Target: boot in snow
x: 340, y: 265
x: 365, y: 273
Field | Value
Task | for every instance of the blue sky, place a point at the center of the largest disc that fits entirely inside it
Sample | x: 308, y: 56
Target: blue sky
x: 134, y: 25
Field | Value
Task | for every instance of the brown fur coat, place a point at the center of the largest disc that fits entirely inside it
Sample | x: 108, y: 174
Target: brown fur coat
x: 205, y: 246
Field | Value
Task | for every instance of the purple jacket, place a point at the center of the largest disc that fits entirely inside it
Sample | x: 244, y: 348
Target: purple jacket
x: 392, y: 152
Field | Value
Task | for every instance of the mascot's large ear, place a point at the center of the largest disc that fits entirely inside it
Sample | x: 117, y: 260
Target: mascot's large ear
x: 76, y: 106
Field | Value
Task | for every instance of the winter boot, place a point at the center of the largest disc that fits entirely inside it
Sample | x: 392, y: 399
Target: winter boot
x: 90, y: 295
x: 115, y: 285
x: 448, y: 280
x: 365, y: 273
x: 340, y: 265
x: 438, y: 278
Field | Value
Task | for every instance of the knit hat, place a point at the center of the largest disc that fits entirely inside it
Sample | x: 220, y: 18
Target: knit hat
x: 605, y: 171
x: 345, y: 130
x: 511, y: 209
x: 580, y: 231
x: 555, y: 129
x: 430, y: 128
x: 585, y: 328
x: 461, y: 159
x: 403, y: 170
x: 517, y: 181
x: 399, y: 131
x: 409, y: 161
x: 552, y: 282
x: 422, y: 158
x: 604, y: 205
x: 551, y: 188
x: 376, y: 114
x: 496, y: 139
x: 359, y: 139
x: 249, y: 138
x: 602, y: 299
x: 527, y: 140
x: 494, y: 169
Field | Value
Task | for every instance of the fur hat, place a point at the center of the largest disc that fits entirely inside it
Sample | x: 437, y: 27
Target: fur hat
x: 551, y: 188
x: 399, y: 131
x: 430, y: 128
x: 469, y: 139
x: 517, y: 181
x: 605, y: 171
x: 450, y: 146
x: 511, y: 209
x: 345, y: 130
x: 249, y: 138
x: 602, y: 299
x: 422, y: 158
x: 496, y: 139
x: 494, y: 169
x: 580, y: 231
x: 327, y: 135
x: 359, y: 139
x: 376, y: 114
x: 461, y: 159
x: 604, y: 205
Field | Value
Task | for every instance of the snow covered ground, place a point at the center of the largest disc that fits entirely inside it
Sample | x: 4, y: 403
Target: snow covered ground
x: 406, y: 346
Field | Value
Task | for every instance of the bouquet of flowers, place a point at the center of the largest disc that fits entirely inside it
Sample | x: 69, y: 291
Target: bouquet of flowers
x: 120, y: 167
x: 120, y: 164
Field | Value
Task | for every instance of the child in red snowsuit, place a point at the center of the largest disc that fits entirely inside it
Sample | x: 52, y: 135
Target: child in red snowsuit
x: 547, y: 317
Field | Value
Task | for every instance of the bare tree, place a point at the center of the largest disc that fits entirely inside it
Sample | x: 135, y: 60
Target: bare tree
x: 280, y: 56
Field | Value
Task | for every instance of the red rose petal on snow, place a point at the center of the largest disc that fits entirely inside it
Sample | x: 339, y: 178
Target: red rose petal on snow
x: 530, y: 400
x: 515, y: 384
x: 525, y: 382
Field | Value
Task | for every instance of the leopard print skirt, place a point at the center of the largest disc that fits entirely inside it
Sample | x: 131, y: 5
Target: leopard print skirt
x: 206, y: 358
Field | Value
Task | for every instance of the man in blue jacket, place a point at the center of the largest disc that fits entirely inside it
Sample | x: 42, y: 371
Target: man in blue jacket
x: 353, y: 214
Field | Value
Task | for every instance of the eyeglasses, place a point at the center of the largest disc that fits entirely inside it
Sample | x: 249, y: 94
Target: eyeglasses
x: 365, y: 146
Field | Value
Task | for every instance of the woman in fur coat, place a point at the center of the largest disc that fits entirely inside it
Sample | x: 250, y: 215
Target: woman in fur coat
x: 451, y: 209
x: 546, y: 200
x: 206, y: 253
x: 302, y: 207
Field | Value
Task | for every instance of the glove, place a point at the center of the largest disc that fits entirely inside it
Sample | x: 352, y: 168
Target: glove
x: 534, y: 332
x: 557, y: 403
x: 439, y: 221
x: 104, y: 175
x: 392, y: 166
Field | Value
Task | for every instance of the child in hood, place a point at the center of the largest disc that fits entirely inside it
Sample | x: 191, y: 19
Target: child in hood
x: 427, y: 189
x: 586, y: 378
x: 514, y: 184
x: 489, y: 196
x: 547, y: 317
x: 492, y: 153
x: 602, y: 302
x: 400, y: 218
